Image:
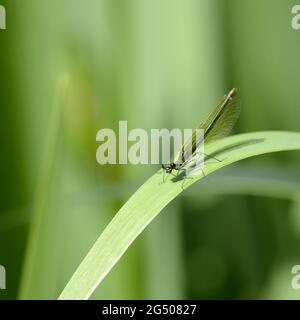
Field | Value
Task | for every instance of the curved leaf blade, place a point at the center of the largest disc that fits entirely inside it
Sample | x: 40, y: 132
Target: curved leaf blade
x: 153, y: 196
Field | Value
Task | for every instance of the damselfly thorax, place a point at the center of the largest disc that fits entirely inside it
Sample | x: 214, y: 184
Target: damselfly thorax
x: 169, y: 167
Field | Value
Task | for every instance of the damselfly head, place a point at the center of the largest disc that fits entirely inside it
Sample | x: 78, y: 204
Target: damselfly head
x: 169, y: 167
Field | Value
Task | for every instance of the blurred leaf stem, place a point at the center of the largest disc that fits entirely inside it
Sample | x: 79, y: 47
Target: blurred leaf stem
x: 42, y: 187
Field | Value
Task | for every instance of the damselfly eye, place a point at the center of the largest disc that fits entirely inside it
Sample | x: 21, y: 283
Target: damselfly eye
x: 168, y: 167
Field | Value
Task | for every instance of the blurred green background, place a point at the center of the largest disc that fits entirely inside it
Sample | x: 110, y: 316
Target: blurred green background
x: 155, y: 64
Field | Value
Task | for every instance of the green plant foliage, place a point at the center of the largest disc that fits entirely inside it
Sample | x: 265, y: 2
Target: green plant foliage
x: 153, y: 196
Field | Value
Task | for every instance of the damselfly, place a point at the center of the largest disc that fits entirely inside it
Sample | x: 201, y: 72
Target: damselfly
x: 218, y: 124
